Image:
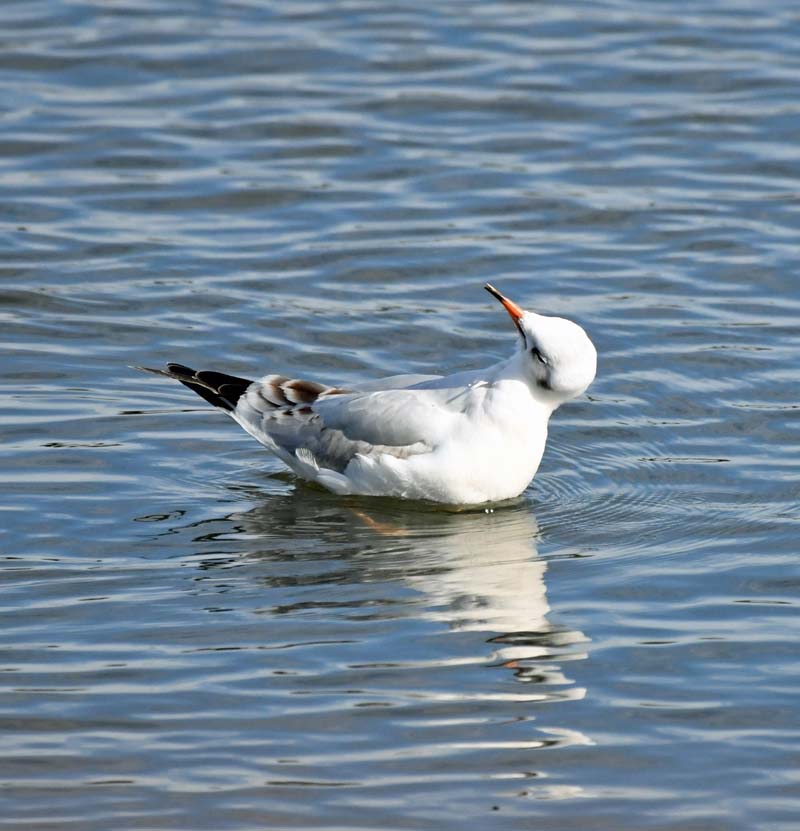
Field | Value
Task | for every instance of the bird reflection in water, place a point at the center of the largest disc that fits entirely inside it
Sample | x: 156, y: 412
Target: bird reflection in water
x: 411, y: 637
x: 474, y: 571
x: 488, y: 577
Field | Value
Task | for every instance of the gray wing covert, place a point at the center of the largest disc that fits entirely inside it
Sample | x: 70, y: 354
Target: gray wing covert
x: 338, y: 424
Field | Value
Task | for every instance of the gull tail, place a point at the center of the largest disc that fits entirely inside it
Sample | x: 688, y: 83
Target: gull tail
x: 219, y: 389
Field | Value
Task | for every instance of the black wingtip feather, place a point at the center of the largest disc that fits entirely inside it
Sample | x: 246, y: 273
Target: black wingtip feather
x: 219, y: 389
x: 180, y: 369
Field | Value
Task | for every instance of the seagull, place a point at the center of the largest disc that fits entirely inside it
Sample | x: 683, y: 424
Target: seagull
x: 470, y: 438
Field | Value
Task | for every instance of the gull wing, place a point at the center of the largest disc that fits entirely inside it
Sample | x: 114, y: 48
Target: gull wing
x: 338, y: 425
x: 388, y: 418
x: 305, y: 422
x: 395, y: 382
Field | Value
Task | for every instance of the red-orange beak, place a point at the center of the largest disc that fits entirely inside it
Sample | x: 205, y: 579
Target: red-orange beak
x: 511, y: 307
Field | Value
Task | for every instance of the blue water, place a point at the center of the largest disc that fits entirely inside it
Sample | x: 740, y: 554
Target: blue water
x: 191, y: 639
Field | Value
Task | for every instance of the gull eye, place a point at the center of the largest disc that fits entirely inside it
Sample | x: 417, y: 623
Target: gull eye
x: 535, y: 353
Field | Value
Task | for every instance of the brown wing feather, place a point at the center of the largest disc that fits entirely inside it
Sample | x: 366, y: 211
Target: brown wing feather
x: 224, y: 391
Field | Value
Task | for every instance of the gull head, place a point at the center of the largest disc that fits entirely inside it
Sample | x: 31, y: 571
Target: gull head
x: 555, y: 356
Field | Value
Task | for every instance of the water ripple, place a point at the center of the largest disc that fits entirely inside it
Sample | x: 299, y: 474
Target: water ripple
x: 193, y: 639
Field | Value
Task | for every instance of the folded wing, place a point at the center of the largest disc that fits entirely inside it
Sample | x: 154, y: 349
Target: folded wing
x: 337, y: 425
x: 308, y: 423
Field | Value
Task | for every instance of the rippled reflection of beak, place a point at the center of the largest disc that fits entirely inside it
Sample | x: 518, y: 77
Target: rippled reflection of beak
x: 511, y: 307
x: 385, y: 529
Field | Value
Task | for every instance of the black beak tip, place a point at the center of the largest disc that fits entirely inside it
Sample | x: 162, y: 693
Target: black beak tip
x: 493, y: 291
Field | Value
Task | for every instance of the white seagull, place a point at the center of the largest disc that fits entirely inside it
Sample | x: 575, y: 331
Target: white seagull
x: 463, y: 439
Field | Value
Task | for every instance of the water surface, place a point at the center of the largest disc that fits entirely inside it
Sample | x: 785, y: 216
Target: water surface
x: 194, y: 640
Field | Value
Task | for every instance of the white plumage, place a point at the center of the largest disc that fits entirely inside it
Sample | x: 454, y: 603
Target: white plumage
x: 469, y: 438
